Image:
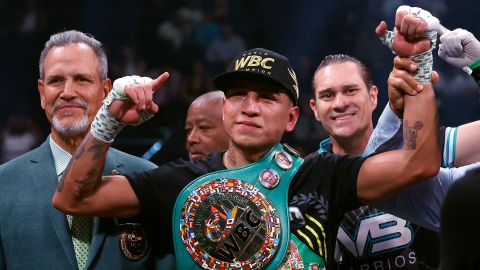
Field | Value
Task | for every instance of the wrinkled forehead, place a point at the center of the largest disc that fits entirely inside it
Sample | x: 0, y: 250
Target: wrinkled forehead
x: 73, y: 58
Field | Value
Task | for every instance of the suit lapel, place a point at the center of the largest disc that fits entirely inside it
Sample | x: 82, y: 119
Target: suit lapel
x: 45, y: 180
x: 100, y: 224
x: 97, y: 239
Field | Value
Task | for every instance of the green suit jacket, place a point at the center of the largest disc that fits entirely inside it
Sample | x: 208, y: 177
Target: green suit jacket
x: 34, y: 235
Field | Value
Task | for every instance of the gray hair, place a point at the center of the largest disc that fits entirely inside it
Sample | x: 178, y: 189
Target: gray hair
x: 68, y: 37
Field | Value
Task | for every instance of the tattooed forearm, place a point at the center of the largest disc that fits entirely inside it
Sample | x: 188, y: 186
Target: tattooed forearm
x: 90, y: 153
x: 79, y: 151
x: 88, y: 183
x: 97, y: 150
x: 410, y: 134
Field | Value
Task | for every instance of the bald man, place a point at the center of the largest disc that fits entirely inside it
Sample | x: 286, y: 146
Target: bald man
x: 204, y: 126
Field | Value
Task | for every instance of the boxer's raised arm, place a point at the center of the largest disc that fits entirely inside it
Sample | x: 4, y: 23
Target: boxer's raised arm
x: 385, y: 174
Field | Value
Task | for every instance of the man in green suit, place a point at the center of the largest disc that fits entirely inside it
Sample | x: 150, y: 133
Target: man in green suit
x: 34, y: 235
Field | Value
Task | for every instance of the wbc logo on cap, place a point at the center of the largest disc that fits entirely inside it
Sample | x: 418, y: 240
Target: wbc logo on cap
x: 254, y: 61
x: 269, y: 64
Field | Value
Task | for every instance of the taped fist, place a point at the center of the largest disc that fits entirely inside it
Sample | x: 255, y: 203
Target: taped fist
x: 399, y: 45
x: 415, y: 23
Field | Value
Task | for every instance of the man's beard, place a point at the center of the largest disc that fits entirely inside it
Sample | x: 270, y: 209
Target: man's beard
x: 76, y: 128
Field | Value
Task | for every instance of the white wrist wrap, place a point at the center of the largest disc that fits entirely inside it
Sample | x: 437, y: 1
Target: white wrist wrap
x: 105, y: 127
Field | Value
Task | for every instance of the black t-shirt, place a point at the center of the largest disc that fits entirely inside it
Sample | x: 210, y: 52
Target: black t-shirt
x: 157, y: 191
x: 323, y: 189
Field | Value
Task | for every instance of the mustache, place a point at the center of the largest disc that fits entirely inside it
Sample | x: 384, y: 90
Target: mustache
x: 193, y: 150
x: 59, y: 103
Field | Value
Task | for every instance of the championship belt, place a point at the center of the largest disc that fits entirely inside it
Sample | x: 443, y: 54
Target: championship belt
x: 236, y: 218
x: 301, y: 257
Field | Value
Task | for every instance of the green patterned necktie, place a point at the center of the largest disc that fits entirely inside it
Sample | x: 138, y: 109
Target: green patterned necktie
x: 81, y: 232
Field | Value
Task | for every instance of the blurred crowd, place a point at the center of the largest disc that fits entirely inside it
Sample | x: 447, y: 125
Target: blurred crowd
x: 193, y: 40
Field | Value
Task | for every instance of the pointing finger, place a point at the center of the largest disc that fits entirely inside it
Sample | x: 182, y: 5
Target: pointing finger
x: 159, y: 81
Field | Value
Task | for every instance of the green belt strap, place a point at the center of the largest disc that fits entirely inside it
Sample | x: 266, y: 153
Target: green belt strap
x: 278, y: 196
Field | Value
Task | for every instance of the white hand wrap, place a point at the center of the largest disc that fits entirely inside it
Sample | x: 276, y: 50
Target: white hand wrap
x: 424, y: 60
x: 105, y: 127
x: 433, y: 24
x: 387, y: 40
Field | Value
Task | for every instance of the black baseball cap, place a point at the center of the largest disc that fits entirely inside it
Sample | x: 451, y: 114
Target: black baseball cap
x: 261, y: 63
